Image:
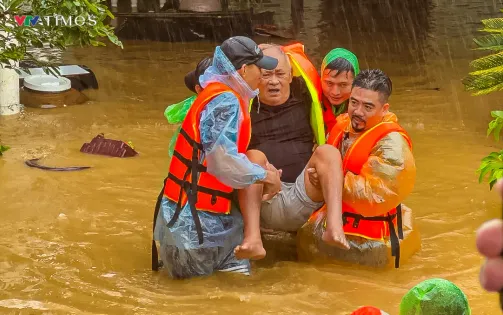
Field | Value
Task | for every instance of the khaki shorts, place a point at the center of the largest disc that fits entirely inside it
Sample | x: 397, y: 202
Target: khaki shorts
x: 289, y: 209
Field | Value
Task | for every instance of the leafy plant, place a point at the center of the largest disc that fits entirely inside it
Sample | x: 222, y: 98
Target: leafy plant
x: 492, y: 164
x: 3, y: 148
x: 488, y: 78
x: 60, y: 24
x: 488, y: 74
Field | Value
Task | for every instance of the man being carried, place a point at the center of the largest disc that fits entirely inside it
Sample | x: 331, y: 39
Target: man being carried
x: 283, y: 136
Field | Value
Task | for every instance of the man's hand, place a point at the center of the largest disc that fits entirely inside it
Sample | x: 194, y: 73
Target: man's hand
x: 490, y: 245
x: 272, y: 182
x: 313, y: 177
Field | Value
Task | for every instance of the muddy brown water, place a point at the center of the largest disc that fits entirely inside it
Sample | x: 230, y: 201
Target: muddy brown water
x: 79, y: 242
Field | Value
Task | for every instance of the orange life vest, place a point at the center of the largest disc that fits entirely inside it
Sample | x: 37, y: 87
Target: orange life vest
x: 188, y: 180
x: 377, y: 227
x: 205, y: 193
x: 297, y: 52
x: 325, y: 109
x: 303, y: 67
x: 329, y: 117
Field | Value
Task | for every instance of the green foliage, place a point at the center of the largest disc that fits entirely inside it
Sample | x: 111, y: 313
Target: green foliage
x: 47, y: 33
x: 496, y: 124
x: 3, y: 148
x: 490, y: 42
x: 487, y: 77
x: 492, y: 164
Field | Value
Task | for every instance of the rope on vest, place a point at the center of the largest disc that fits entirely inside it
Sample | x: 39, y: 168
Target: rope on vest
x: 395, y: 236
x: 192, y: 194
x: 395, y: 242
x: 179, y: 203
x: 399, y: 221
x: 193, y: 168
x: 155, y: 255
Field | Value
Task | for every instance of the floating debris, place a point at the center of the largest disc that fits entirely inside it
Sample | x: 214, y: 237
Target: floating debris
x: 101, y: 146
x: 34, y: 163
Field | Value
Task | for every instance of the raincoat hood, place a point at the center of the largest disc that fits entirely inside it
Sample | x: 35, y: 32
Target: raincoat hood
x: 341, y: 53
x: 224, y: 72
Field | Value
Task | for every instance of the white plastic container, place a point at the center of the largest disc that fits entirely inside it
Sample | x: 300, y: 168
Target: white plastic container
x: 47, y: 83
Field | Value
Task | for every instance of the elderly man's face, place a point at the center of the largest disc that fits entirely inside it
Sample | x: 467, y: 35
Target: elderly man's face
x: 274, y: 84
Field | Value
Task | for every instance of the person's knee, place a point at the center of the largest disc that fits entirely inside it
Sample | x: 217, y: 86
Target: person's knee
x: 257, y: 157
x: 327, y: 154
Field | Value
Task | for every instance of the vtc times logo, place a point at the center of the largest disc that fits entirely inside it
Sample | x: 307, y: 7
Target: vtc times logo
x: 55, y: 20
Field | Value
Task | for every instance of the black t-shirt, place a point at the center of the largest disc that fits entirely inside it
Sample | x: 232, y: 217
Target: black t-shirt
x: 283, y: 133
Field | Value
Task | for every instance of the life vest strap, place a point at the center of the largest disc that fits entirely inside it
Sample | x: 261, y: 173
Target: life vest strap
x: 188, y: 163
x: 194, y: 168
x: 179, y: 203
x: 191, y: 141
x: 192, y: 200
x: 358, y: 217
x: 395, y: 236
x: 191, y: 189
x: 399, y: 222
x: 205, y: 190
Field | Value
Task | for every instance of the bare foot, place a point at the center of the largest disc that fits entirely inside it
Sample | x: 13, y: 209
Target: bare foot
x: 250, y: 250
x: 337, y: 239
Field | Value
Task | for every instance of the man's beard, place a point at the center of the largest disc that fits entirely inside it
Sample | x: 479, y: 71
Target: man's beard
x: 355, y: 125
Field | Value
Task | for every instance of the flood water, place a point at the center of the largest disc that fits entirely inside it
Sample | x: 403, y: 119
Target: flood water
x: 79, y: 242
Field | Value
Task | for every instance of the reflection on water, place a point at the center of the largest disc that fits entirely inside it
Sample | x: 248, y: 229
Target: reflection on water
x: 80, y: 242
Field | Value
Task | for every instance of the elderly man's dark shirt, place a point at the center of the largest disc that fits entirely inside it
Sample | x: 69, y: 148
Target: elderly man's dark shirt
x: 283, y: 133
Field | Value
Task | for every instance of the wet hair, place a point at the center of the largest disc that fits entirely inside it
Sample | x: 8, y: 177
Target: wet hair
x: 202, y: 66
x: 192, y: 78
x: 340, y: 65
x: 375, y: 80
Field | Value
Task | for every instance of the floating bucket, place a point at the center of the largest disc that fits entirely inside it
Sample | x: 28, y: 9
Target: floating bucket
x: 48, y: 91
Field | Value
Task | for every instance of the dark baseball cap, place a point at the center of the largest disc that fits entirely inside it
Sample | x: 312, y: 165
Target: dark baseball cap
x: 192, y: 78
x: 242, y: 50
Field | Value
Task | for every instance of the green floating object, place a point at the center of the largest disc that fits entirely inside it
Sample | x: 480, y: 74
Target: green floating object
x: 3, y: 148
x: 435, y: 297
x: 176, y: 113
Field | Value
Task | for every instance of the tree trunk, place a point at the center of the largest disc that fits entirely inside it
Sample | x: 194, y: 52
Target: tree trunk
x: 9, y: 92
x: 9, y: 86
x: 297, y: 12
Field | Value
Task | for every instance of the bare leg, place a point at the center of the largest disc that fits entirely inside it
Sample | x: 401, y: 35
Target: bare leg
x: 326, y: 160
x: 250, y: 201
